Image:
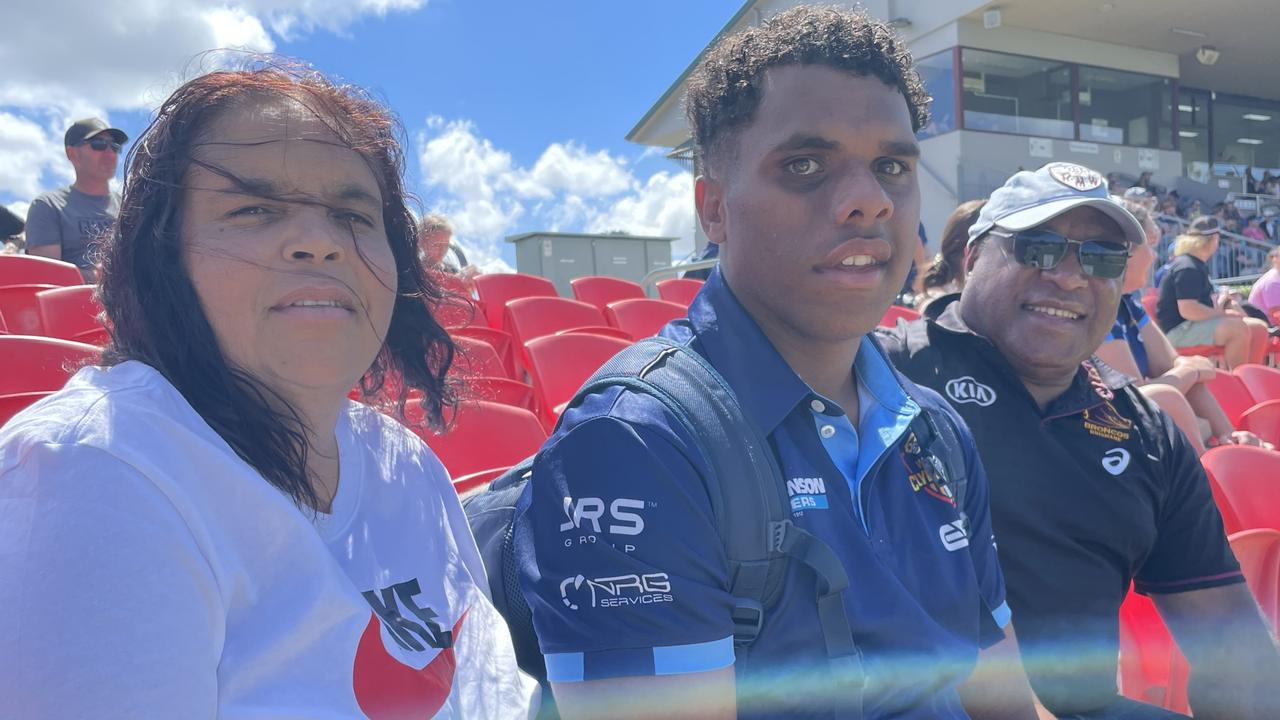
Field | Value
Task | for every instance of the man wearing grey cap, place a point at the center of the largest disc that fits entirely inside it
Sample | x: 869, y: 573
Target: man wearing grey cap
x: 66, y: 224
x: 1092, y: 487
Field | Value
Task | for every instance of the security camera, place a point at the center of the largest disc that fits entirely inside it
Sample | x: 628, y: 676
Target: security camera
x: 1207, y: 55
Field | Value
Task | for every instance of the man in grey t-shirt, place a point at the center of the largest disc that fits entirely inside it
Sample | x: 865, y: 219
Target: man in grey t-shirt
x: 67, y: 223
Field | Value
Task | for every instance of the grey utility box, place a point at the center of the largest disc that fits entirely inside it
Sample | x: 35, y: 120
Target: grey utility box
x: 561, y: 257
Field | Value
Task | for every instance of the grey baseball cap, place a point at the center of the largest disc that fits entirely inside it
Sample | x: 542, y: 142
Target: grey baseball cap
x: 1030, y: 198
x: 87, y: 128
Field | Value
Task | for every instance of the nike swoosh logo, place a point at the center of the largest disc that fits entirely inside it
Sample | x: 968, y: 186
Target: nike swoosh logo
x: 387, y: 689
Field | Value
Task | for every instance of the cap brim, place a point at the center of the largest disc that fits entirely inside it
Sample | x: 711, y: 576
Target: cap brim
x: 1032, y: 217
x: 117, y: 135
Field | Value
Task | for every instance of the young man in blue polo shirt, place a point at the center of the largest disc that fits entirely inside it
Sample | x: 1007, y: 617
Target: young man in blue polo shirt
x: 806, y: 128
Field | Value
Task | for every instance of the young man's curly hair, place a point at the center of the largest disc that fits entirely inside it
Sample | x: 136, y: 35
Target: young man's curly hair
x: 724, y: 90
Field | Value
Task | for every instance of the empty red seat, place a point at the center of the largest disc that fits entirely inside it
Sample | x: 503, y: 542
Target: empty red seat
x: 890, y: 318
x: 481, y: 436
x: 72, y: 313
x: 1152, y: 668
x: 1248, y: 482
x: 1231, y: 394
x: 1262, y: 382
x: 534, y: 317
x: 21, y: 309
x: 642, y: 317
x: 1258, y: 552
x: 1263, y: 420
x: 496, y: 289
x: 679, y: 290
x: 497, y: 339
x: 34, y: 367
x: 559, y: 364
x: 35, y: 270
x: 485, y: 377
x: 600, y: 290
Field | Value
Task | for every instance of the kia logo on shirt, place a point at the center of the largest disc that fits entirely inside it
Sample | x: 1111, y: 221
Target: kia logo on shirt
x: 967, y: 390
x: 1115, y: 461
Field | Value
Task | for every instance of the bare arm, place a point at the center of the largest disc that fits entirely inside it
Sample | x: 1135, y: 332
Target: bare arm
x: 998, y: 687
x: 1195, y: 310
x: 1116, y: 353
x: 1233, y: 654
x: 663, y: 697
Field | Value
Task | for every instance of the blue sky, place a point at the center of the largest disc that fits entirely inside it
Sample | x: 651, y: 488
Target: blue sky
x: 515, y: 111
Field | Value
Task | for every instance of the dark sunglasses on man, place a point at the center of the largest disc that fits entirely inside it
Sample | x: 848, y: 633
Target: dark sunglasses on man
x: 1044, y: 249
x: 100, y: 143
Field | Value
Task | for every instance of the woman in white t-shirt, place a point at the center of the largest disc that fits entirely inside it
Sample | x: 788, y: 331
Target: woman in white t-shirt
x: 204, y: 526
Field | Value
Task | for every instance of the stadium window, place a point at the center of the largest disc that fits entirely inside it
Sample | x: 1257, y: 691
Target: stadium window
x: 1193, y: 133
x: 938, y: 73
x: 1246, y: 133
x: 1124, y: 108
x: 1016, y: 94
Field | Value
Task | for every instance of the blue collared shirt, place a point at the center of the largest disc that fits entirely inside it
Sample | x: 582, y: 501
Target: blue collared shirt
x: 623, y: 567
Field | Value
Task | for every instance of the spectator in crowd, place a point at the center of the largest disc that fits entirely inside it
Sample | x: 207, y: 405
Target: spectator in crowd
x: 806, y: 126
x: 435, y: 243
x: 1265, y: 294
x: 1194, y: 210
x: 11, y: 227
x: 1140, y: 195
x: 946, y: 275
x: 1187, y: 311
x: 1138, y: 348
x: 233, y: 537
x: 1253, y: 230
x: 68, y: 223
x: 1092, y: 487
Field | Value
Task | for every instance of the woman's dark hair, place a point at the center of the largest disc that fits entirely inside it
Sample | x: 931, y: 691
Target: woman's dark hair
x: 949, y: 265
x: 156, y: 316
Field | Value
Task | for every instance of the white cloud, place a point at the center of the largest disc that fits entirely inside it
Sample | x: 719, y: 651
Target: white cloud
x: 26, y: 150
x: 488, y: 195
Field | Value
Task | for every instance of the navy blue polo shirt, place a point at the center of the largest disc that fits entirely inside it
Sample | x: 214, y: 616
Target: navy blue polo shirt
x: 621, y: 563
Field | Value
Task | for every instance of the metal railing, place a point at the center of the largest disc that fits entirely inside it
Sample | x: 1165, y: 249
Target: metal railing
x: 1239, y: 259
x: 653, y: 276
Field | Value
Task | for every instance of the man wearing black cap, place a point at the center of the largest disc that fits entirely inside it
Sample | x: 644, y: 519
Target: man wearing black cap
x: 66, y: 223
x: 1093, y: 489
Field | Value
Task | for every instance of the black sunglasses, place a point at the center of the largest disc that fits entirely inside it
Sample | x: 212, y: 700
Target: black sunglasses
x: 100, y: 143
x: 1044, y: 249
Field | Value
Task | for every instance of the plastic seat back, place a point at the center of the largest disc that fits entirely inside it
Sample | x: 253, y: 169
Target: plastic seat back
x: 496, y: 339
x: 895, y: 312
x: 485, y: 377
x: 21, y: 309
x: 36, y: 270
x: 481, y: 435
x: 599, y: 290
x: 459, y: 309
x: 72, y: 313
x: 643, y: 317
x: 559, y: 364
x: 1152, y: 668
x: 36, y: 366
x: 496, y: 289
x: 679, y: 290
x: 476, y: 358
x: 1248, y: 482
x: 1258, y: 552
x: 1263, y: 420
x: 534, y: 317
x: 1262, y: 382
x: 1231, y: 394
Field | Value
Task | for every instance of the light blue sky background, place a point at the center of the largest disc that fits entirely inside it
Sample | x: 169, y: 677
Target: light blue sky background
x: 515, y: 112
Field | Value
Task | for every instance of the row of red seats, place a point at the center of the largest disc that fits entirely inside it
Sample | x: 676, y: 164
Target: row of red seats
x: 39, y: 296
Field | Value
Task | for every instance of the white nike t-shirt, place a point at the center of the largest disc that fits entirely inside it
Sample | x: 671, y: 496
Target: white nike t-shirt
x: 146, y: 571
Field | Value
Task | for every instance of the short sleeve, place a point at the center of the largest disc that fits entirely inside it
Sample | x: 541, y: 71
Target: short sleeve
x: 1191, y: 550
x: 42, y: 224
x: 982, y: 544
x: 619, y: 555
x: 108, y: 609
x: 1188, y: 283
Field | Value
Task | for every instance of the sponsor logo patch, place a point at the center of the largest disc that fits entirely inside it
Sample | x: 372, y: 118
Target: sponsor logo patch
x: 1115, y: 461
x: 1076, y: 177
x: 1106, y: 422
x: 967, y: 390
x: 617, y: 591
x: 953, y: 536
x: 924, y: 471
x: 807, y: 494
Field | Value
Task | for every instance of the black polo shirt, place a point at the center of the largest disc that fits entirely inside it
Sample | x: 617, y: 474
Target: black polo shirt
x: 1187, y: 279
x: 1098, y: 490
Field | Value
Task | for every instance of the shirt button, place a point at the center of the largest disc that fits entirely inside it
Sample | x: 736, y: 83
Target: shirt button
x: 818, y: 406
x: 827, y: 432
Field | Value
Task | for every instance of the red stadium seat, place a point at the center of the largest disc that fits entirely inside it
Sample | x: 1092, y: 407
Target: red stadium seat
x: 35, y: 270
x: 21, y: 310
x: 497, y: 289
x: 72, y: 313
x: 464, y: 484
x: 1263, y: 420
x: 481, y: 436
x: 642, y: 317
x: 1232, y: 395
x: 534, y: 317
x: 600, y: 290
x: 1262, y: 382
x: 1258, y: 552
x: 1248, y: 482
x: 894, y: 312
x: 36, y: 366
x: 485, y: 377
x: 679, y: 290
x: 1152, y: 668
x: 4, y: 329
x: 497, y: 339
x: 559, y: 364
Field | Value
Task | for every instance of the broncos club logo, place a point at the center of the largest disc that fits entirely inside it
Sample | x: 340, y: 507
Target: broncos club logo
x: 1077, y: 177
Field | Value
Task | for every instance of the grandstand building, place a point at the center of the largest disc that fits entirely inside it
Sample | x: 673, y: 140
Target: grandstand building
x: 1185, y: 90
